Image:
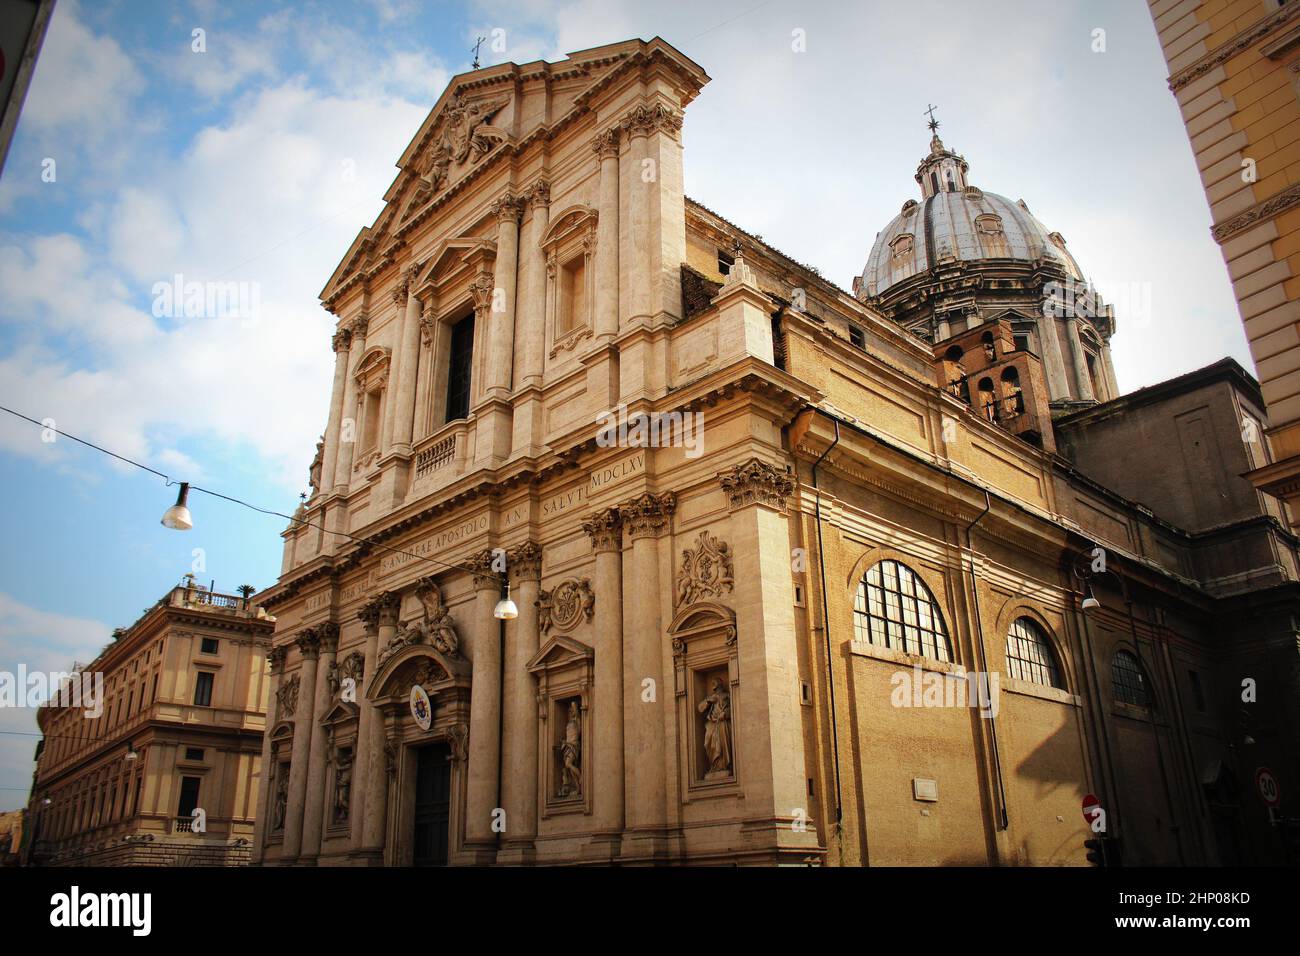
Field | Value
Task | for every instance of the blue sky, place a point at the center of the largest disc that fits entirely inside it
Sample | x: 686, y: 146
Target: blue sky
x: 258, y: 160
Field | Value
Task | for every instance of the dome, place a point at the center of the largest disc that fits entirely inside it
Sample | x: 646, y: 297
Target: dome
x: 956, y: 221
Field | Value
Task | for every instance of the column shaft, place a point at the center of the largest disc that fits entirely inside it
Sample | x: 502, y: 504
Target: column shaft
x: 1082, y: 381
x: 532, y: 266
x: 329, y: 463
x: 606, y: 311
x: 520, y: 704
x: 313, y: 813
x: 605, y: 533
x: 348, y: 422
x: 264, y: 798
x: 361, y: 764
x: 501, y: 342
x: 298, y: 768
x: 408, y: 371
x: 376, y: 809
x: 482, y: 796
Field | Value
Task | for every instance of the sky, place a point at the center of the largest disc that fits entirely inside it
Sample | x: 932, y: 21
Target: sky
x: 254, y: 151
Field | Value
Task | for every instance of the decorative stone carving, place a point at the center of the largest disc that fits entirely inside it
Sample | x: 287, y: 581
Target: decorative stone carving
x: 508, y: 208
x: 643, y: 120
x: 706, y: 571
x: 360, y: 325
x: 539, y: 194
x: 332, y: 679
x: 525, y: 562
x: 390, y: 604
x: 481, y: 289
x: 605, y: 529
x: 342, y: 340
x: 459, y: 136
x: 716, y: 708
x: 314, y: 470
x: 566, y: 605
x: 308, y: 643
x: 435, y: 627
x: 354, y: 667
x: 428, y: 327
x: 458, y: 739
x: 606, y: 143
x: 401, y: 290
x: 571, y: 755
x: 287, y: 697
x: 485, y: 575
x: 369, y: 616
x: 281, y: 798
x: 342, y: 803
x: 756, y: 481
x: 648, y: 515
x: 276, y: 658
x: 390, y: 757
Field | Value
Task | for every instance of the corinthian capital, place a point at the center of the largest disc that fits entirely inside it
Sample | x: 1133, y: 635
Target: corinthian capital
x: 308, y: 643
x: 360, y: 325
x: 525, y: 562
x: 606, y: 142
x: 401, y: 290
x: 605, y: 529
x: 508, y: 208
x: 756, y: 482
x: 648, y: 515
x: 342, y: 340
x: 485, y: 575
x: 276, y: 658
x: 644, y: 120
x: 540, y: 193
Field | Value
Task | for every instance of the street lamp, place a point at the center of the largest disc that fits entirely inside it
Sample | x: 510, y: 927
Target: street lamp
x: 178, y: 516
x: 506, y: 609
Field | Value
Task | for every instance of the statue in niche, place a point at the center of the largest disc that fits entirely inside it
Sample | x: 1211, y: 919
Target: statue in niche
x: 313, y: 473
x: 281, y: 796
x: 332, y: 679
x: 571, y: 754
x: 716, y: 708
x: 342, y: 785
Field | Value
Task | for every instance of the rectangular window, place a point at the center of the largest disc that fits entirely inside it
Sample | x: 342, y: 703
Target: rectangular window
x: 573, y: 297
x: 459, y: 369
x: 189, y: 796
x: 857, y: 337
x: 1022, y: 343
x: 725, y: 262
x: 209, y: 646
x: 203, y: 690
x: 193, y: 753
x: 154, y: 695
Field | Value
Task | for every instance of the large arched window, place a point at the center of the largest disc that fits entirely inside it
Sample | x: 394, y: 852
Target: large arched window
x: 1030, y: 656
x: 1128, y: 683
x: 894, y: 608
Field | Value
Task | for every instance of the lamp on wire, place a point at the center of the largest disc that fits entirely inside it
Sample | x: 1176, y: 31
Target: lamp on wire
x: 506, y: 609
x: 178, y: 516
x: 1089, y: 599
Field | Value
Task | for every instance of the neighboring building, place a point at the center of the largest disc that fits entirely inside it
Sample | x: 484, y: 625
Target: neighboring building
x: 180, y: 728
x: 719, y: 635
x: 1235, y: 70
x: 11, y: 837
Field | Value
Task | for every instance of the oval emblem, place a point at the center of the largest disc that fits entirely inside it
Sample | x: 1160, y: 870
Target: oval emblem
x: 421, y: 708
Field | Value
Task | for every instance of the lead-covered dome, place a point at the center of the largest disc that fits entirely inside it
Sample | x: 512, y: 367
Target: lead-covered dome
x: 956, y: 221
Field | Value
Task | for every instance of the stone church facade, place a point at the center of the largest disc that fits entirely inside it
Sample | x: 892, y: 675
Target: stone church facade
x: 737, y: 508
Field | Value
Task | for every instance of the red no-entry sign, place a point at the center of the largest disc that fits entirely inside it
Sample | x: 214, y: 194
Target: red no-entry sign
x: 1090, y: 806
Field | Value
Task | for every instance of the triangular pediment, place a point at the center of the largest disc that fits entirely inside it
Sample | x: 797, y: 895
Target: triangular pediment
x: 342, y: 712
x: 559, y: 651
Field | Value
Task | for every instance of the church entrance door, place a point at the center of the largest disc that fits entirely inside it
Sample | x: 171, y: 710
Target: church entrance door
x: 432, y: 805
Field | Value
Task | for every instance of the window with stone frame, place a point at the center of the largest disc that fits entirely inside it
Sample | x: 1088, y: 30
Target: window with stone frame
x: 460, y: 369
x: 1030, y: 656
x: 894, y: 609
x: 1128, y: 680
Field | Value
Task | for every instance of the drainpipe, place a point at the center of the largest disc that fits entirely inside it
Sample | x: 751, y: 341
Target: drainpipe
x: 984, y: 662
x: 826, y: 627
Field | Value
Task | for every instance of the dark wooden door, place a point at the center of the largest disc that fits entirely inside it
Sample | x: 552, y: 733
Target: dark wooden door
x: 432, y: 805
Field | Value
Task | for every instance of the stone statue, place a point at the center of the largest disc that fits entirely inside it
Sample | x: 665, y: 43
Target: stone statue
x: 716, y: 709
x: 281, y: 797
x: 342, y: 785
x: 313, y: 473
x: 571, y: 755
x: 332, y: 679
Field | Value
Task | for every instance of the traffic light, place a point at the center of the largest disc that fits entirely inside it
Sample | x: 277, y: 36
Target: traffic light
x: 1096, y: 851
x: 1103, y: 851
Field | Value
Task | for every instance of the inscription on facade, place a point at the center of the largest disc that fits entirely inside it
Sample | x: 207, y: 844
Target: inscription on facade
x: 612, y: 474
x: 433, y: 544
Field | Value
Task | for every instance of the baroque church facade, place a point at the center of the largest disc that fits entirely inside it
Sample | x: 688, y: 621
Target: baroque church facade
x: 802, y: 575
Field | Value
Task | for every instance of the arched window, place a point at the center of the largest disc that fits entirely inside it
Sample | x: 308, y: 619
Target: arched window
x: 988, y: 402
x: 1030, y: 656
x: 1128, y: 683
x: 894, y: 608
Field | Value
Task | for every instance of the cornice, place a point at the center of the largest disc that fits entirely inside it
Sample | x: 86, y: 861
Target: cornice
x: 1242, y: 41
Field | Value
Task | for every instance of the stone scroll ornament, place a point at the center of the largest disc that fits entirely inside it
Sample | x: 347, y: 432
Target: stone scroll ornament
x: 566, y: 605
x: 706, y: 571
x: 287, y: 696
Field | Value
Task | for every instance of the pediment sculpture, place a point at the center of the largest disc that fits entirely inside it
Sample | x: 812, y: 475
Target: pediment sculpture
x: 434, y: 627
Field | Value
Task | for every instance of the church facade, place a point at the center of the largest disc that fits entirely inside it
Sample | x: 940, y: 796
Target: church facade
x: 802, y: 575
